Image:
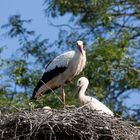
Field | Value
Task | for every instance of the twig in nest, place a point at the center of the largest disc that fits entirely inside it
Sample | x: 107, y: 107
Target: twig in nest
x: 52, y: 92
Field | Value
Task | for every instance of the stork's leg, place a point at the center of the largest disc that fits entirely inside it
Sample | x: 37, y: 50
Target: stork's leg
x: 63, y: 94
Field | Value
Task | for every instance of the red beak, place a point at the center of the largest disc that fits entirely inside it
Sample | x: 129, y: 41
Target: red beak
x: 81, y: 49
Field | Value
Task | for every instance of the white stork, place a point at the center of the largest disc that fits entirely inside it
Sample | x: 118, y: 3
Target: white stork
x: 61, y: 70
x: 91, y: 102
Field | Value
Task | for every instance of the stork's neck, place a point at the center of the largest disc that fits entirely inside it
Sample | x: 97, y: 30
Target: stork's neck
x: 83, y: 90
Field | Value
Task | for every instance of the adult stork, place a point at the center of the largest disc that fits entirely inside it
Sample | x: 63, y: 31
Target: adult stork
x: 91, y: 102
x: 61, y: 70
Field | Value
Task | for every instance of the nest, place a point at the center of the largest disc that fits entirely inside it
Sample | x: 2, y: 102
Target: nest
x: 65, y: 124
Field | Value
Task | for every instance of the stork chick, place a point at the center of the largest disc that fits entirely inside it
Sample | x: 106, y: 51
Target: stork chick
x: 91, y: 102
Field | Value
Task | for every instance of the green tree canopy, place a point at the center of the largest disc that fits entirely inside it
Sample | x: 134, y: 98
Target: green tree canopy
x: 110, y: 30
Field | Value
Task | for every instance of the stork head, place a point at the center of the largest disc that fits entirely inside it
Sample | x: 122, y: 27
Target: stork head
x: 80, y: 46
x: 82, y: 82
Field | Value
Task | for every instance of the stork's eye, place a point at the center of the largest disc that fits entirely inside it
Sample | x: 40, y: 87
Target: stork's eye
x: 79, y: 82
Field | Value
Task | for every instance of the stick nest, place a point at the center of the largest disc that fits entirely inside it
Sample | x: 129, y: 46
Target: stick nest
x: 65, y: 124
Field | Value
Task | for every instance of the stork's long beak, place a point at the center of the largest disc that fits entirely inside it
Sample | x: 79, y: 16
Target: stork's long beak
x: 76, y: 90
x: 81, y: 49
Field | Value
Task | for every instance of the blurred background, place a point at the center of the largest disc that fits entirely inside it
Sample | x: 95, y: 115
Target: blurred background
x: 34, y: 32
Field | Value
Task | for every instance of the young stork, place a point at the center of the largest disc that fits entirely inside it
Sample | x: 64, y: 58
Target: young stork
x: 91, y: 102
x: 61, y: 70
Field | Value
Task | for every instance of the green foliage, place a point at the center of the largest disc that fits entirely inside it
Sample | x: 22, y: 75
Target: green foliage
x: 90, y: 11
x: 112, y: 66
x: 111, y: 38
x: 16, y: 26
x: 11, y: 101
x: 110, y: 72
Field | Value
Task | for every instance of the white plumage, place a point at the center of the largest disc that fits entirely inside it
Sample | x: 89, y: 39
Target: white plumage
x: 61, y: 70
x: 91, y: 102
x: 61, y: 60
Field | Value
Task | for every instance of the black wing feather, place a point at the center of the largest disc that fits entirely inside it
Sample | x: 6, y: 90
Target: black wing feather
x: 48, y: 64
x: 47, y: 76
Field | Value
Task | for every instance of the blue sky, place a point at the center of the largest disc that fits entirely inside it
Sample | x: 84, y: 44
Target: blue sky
x: 28, y: 9
x: 33, y: 9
